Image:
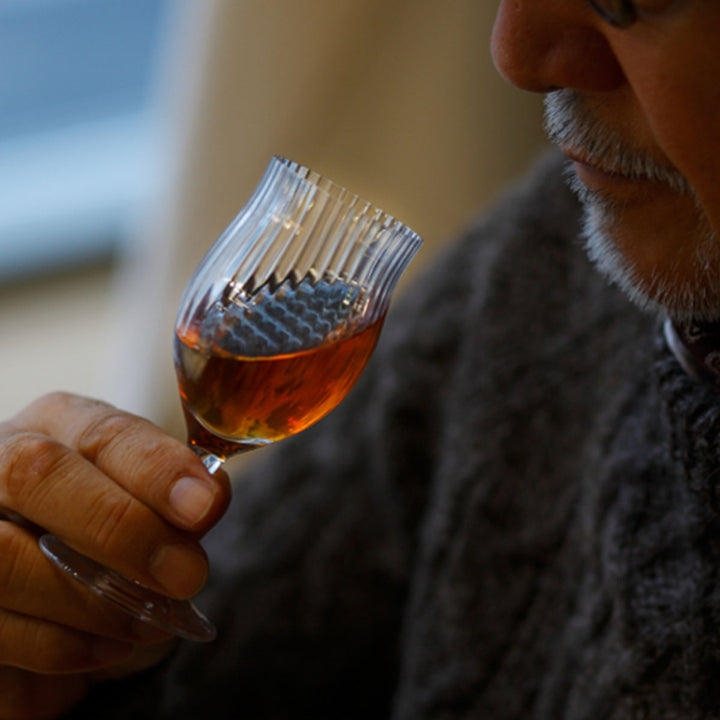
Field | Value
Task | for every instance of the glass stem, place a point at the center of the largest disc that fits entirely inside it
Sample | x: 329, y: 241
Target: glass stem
x: 211, y: 461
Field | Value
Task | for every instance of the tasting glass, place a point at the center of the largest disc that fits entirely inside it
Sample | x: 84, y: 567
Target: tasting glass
x: 274, y: 327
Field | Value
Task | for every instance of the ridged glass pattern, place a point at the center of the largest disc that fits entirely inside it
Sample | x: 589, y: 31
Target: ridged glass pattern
x: 309, y: 257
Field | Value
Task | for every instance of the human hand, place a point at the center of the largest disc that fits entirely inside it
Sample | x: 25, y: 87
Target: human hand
x: 118, y: 489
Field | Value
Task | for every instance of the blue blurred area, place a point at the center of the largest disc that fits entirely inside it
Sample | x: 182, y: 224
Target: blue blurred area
x: 68, y: 61
x: 76, y: 126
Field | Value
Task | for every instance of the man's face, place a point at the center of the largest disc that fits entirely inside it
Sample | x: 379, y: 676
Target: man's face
x: 637, y: 110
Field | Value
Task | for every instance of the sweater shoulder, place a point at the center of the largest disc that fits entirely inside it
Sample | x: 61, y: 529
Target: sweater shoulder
x: 513, y: 251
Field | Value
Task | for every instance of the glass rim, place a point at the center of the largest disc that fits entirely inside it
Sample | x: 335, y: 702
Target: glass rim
x: 325, y: 184
x: 299, y: 225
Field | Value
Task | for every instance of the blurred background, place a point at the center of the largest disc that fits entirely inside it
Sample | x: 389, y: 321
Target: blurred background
x: 132, y: 132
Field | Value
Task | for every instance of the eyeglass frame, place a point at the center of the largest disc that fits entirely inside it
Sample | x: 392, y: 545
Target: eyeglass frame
x: 619, y: 13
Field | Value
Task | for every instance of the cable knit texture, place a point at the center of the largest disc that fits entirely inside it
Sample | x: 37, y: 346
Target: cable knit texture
x: 514, y: 515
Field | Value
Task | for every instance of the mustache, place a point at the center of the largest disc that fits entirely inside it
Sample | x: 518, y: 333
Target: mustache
x: 570, y: 124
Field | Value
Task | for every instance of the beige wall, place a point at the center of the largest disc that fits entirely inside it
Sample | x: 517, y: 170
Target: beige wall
x: 395, y: 99
x: 54, y: 336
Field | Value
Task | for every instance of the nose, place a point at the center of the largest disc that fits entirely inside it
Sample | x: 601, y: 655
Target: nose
x: 545, y: 45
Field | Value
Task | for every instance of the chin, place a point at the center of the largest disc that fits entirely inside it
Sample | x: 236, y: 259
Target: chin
x: 657, y: 246
x: 684, y: 285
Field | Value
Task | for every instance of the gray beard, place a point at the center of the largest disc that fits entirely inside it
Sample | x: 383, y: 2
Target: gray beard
x: 696, y: 297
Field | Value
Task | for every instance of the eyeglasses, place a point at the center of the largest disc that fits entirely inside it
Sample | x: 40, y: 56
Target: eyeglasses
x: 620, y: 13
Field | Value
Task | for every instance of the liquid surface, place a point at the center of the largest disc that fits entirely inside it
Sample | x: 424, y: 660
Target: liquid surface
x: 270, y: 369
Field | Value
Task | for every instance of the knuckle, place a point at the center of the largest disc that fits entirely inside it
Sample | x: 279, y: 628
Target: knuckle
x: 104, y: 431
x: 115, y: 439
x: 109, y: 524
x: 53, y: 399
x: 53, y: 402
x: 59, y: 399
x: 26, y: 459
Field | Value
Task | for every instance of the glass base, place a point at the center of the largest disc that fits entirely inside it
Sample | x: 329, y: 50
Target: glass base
x: 177, y: 617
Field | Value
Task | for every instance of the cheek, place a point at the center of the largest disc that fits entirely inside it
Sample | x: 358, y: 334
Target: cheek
x: 683, y: 114
x: 692, y: 145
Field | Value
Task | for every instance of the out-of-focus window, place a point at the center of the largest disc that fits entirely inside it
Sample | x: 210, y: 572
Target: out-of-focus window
x: 76, y: 127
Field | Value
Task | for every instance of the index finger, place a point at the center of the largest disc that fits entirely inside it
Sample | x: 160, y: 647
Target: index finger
x: 154, y: 467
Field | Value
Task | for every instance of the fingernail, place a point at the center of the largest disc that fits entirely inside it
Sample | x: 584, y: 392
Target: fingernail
x: 108, y: 651
x: 180, y: 569
x: 191, y: 499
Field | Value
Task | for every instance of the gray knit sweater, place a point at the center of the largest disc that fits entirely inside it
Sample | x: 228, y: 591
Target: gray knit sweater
x: 514, y: 515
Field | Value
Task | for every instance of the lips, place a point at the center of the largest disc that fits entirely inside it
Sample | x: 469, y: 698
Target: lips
x: 585, y: 165
x: 604, y: 160
x: 592, y: 175
x: 599, y: 178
